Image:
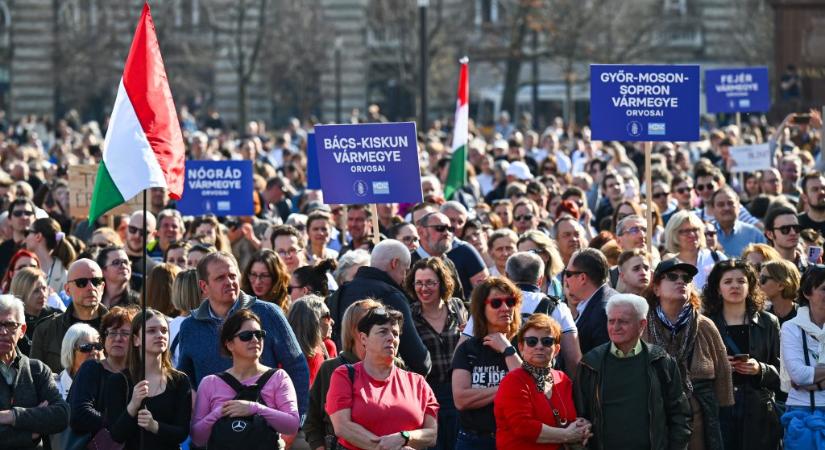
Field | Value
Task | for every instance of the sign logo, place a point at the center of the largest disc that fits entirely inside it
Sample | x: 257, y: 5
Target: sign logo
x: 360, y: 188
x: 634, y: 128
x: 656, y: 129
x: 745, y: 103
x: 238, y: 426
x: 224, y: 205
x: 380, y: 187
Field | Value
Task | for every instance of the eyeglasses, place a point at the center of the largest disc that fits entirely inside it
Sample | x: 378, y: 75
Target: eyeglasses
x: 682, y: 190
x: 10, y: 327
x: 688, y: 231
x: 259, y: 276
x: 571, y: 273
x: 702, y: 187
x: 786, y: 229
x: 288, y: 252
x: 763, y: 279
x: 247, y: 335
x: 119, y: 262
x: 710, y: 233
x: 524, y: 218
x: 442, y: 228
x: 83, y: 282
x: 637, y: 230
x: 546, y: 341
x: 22, y: 212
x: 117, y: 334
x: 409, y: 239
x: 673, y: 276
x: 660, y: 194
x: 497, y: 302
x: 28, y: 231
x: 426, y: 284
x: 89, y: 348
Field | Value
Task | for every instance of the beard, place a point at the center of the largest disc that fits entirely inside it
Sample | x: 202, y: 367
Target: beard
x: 818, y: 207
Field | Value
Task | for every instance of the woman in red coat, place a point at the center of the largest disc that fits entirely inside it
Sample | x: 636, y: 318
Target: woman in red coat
x: 534, y: 405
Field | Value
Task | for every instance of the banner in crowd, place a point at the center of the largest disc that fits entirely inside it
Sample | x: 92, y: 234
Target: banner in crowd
x: 744, y: 89
x: 222, y: 188
x: 751, y: 158
x: 369, y: 163
x: 644, y: 102
x: 81, y: 179
x: 313, y: 176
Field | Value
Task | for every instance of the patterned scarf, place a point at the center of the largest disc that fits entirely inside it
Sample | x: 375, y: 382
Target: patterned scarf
x: 541, y: 374
x: 678, y: 344
x: 684, y: 316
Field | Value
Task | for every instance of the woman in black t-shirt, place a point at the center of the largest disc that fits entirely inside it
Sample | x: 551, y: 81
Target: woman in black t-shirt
x: 482, y: 361
x: 158, y: 400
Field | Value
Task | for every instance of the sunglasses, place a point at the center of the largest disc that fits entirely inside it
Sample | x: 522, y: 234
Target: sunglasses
x: 88, y: 348
x: 702, y: 187
x: 673, y: 276
x: 22, y: 212
x: 247, y: 336
x: 682, y: 190
x: 524, y: 218
x: 660, y: 195
x: 119, y: 262
x: 442, y: 228
x: 83, y: 282
x: 763, y: 279
x: 637, y: 230
x: 710, y: 233
x: 572, y: 273
x: 786, y: 229
x: 497, y: 302
x: 546, y: 341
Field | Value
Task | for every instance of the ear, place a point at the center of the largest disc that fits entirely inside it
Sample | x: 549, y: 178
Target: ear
x: 363, y: 338
x: 22, y: 329
x: 521, y: 348
x: 202, y: 286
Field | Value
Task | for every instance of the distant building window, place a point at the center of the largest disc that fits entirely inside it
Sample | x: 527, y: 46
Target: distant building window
x: 80, y: 14
x: 678, y: 7
x: 486, y: 12
x: 187, y: 13
x: 5, y: 25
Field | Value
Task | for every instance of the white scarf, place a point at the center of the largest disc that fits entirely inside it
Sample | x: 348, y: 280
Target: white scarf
x: 803, y: 321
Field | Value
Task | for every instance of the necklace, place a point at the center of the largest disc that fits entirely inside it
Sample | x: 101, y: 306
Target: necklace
x: 562, y: 421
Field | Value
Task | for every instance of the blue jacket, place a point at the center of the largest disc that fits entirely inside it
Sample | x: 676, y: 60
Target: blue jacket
x: 198, y: 354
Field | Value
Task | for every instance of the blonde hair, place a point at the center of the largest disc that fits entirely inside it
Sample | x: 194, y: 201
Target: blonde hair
x: 354, y: 313
x: 672, y: 230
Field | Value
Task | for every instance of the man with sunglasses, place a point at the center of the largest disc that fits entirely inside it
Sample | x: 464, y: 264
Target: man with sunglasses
x: 21, y: 218
x: 709, y: 181
x: 85, y: 285
x: 587, y: 291
x: 628, y: 384
x: 135, y: 249
x: 783, y: 232
x: 733, y: 234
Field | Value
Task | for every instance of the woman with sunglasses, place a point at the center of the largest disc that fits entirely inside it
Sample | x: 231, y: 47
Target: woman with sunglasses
x: 482, y: 361
x: 375, y: 404
x: 152, y: 397
x: 242, y: 339
x: 29, y: 285
x: 685, y: 240
x: 86, y: 401
x: 733, y: 300
x: 266, y: 277
x: 534, y: 406
x: 80, y: 344
x: 46, y: 240
x: 676, y: 324
x: 779, y: 281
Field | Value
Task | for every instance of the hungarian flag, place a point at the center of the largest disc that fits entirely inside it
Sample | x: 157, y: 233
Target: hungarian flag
x: 144, y: 145
x: 456, y: 177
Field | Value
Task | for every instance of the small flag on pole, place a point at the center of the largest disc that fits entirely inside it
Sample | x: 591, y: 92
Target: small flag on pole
x: 456, y: 177
x: 144, y: 145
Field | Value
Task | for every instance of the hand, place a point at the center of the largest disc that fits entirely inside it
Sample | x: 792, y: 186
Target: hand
x: 816, y: 119
x: 247, y: 231
x: 574, y: 432
x: 389, y: 442
x: 139, y: 393
x: 6, y: 417
x: 749, y: 367
x: 237, y: 408
x: 496, y: 341
x: 145, y: 421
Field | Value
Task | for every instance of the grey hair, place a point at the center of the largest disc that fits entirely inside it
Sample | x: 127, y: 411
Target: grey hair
x: 75, y: 333
x: 359, y: 257
x: 639, y: 304
x: 12, y: 304
x: 453, y: 205
x: 524, y: 267
x: 386, y: 251
x: 304, y: 318
x: 620, y: 227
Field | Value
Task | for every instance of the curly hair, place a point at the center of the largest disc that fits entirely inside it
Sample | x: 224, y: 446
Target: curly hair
x: 478, y: 304
x: 436, y: 264
x: 712, y: 297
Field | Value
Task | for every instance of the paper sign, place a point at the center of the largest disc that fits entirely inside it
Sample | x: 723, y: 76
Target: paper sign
x: 644, y: 102
x: 222, y: 188
x: 82, y: 185
x: 369, y: 163
x: 751, y: 158
x: 744, y: 89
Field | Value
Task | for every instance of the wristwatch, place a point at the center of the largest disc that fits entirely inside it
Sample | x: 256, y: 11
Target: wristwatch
x: 406, y: 436
x: 509, y: 351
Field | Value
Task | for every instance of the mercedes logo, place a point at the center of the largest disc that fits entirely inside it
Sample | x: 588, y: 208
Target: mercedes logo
x: 238, y: 426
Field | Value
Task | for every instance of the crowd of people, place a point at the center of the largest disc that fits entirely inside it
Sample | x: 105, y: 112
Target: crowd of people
x: 536, y: 308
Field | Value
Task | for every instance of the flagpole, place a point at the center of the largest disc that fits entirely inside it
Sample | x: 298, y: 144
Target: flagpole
x: 143, y: 307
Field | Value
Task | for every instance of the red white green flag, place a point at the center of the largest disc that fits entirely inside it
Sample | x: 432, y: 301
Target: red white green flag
x: 144, y: 145
x: 457, y: 175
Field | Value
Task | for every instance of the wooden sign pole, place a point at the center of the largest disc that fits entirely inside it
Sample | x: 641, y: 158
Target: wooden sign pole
x: 376, y: 230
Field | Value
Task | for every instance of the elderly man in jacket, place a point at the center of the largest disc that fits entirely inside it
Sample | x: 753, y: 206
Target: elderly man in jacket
x: 631, y: 391
x: 30, y: 405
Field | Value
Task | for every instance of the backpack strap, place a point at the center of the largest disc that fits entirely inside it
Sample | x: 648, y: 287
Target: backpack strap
x: 807, y: 363
x: 237, y: 386
x: 351, y: 374
x: 231, y: 381
x: 175, y: 343
x: 547, y: 305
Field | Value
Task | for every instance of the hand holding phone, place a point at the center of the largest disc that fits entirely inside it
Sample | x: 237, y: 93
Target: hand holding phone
x: 742, y: 357
x: 814, y: 254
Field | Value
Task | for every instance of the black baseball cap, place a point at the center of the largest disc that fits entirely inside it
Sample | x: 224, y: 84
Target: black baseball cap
x: 672, y: 264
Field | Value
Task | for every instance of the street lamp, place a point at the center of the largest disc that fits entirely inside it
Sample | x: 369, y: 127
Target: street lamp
x: 422, y: 38
x: 339, y: 43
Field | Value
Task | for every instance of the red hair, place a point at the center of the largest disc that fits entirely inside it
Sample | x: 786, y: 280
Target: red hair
x: 22, y: 253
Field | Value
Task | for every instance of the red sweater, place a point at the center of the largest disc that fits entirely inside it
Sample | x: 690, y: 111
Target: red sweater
x: 521, y: 410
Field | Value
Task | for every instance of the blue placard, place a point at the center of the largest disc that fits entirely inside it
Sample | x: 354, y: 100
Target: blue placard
x: 644, y: 102
x: 744, y: 89
x: 313, y: 176
x: 368, y: 163
x: 222, y: 188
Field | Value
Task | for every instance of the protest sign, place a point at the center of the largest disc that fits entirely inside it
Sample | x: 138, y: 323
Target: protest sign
x: 82, y: 184
x: 751, y: 158
x: 222, y: 188
x: 313, y: 176
x: 644, y: 102
x: 743, y: 89
x: 369, y: 163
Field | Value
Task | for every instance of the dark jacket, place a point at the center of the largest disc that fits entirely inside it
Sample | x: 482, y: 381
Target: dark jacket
x: 33, y: 384
x: 669, y: 409
x: 370, y: 282
x: 592, y: 323
x: 317, y: 425
x: 86, y: 397
x: 48, y: 337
